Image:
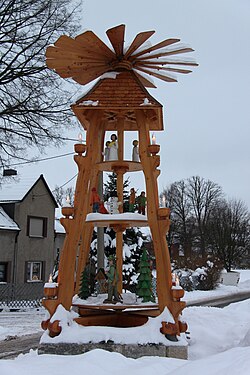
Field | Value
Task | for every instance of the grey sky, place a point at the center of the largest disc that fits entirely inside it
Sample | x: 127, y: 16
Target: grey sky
x: 207, y: 113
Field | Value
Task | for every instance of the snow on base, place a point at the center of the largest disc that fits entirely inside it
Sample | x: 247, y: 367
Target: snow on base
x: 149, y: 333
x: 128, y: 299
x: 126, y: 216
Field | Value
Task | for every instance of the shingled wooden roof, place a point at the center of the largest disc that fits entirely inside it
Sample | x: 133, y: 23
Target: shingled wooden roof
x: 119, y: 96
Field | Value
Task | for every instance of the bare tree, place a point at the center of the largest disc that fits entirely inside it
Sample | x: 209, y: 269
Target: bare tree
x: 34, y: 102
x: 229, y: 230
x: 203, y: 196
x: 182, y: 221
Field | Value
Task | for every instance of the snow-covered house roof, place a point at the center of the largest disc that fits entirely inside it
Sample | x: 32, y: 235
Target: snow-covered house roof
x: 16, y: 188
x: 6, y: 222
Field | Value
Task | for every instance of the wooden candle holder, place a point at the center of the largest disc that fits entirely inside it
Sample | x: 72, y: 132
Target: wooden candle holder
x: 50, y: 292
x: 154, y: 149
x: 68, y: 211
x: 177, y: 293
x: 80, y: 148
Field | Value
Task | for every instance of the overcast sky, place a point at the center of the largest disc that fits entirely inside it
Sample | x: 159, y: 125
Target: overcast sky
x: 207, y: 113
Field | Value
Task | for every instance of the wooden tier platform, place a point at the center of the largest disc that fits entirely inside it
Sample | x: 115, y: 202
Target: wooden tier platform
x: 126, y: 220
x: 115, y: 315
x: 115, y: 165
x: 118, y: 306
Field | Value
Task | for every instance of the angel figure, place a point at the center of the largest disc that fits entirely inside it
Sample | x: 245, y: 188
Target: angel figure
x: 113, y: 148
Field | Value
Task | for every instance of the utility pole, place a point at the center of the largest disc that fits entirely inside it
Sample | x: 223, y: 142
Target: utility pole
x: 100, y: 230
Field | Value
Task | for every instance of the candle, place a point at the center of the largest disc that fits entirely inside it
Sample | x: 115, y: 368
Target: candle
x: 67, y: 202
x: 163, y: 201
x: 80, y: 137
x: 153, y: 139
x: 177, y: 281
x: 50, y: 278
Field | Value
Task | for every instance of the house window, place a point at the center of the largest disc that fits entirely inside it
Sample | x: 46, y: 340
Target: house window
x: 34, y: 271
x: 3, y: 272
x: 37, y: 226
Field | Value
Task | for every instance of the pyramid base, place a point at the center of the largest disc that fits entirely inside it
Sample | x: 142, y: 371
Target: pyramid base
x: 128, y: 350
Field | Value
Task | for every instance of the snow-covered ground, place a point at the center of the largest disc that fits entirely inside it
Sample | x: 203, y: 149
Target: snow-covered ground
x: 219, y: 344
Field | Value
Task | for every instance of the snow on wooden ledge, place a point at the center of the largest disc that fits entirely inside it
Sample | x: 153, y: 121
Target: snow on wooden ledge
x: 127, y: 216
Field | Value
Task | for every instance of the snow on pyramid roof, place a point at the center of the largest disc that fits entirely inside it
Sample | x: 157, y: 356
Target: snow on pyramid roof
x: 6, y: 222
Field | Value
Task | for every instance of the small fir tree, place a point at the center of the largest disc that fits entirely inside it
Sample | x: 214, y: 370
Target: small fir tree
x: 84, y: 291
x: 144, y: 286
x: 110, y: 189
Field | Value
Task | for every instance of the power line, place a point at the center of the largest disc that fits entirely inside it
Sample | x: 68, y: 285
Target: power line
x: 44, y: 159
x: 72, y: 178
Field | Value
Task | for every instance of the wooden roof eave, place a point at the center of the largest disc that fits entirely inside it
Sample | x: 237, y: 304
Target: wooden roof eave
x: 152, y: 113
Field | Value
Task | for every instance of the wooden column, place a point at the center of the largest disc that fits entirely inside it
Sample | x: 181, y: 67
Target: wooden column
x: 74, y: 227
x: 150, y: 164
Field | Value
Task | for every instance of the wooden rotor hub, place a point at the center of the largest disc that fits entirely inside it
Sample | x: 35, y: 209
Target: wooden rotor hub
x: 122, y: 65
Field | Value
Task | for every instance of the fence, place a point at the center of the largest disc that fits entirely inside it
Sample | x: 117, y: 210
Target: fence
x: 21, y: 295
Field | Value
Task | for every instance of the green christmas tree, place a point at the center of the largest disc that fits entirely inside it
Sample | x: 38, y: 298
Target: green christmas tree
x: 144, y: 286
x: 84, y: 291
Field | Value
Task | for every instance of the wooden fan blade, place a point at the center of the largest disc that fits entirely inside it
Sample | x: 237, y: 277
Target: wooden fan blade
x: 91, y: 41
x: 55, y: 53
x: 73, y: 72
x: 169, y: 62
x: 72, y: 64
x: 146, y: 82
x: 162, y: 44
x: 116, y: 37
x: 83, y: 46
x: 157, y: 75
x: 158, y: 67
x: 138, y: 41
x: 68, y: 44
x: 182, y: 50
x: 83, y: 77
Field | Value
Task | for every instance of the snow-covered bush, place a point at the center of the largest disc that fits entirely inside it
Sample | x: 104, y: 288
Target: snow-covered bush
x: 197, y: 274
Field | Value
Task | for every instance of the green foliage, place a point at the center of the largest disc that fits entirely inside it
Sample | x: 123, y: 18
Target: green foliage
x: 110, y: 189
x: 84, y: 291
x: 144, y: 286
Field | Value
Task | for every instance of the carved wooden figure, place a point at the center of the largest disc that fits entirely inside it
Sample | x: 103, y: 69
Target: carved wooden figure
x: 118, y: 102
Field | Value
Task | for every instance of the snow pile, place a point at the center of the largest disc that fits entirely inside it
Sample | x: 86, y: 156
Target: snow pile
x: 101, y: 362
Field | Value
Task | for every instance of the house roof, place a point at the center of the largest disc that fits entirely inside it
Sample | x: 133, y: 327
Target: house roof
x: 6, y: 222
x: 16, y: 188
x: 122, y: 94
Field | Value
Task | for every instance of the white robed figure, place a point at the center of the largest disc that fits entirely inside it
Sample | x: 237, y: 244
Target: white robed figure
x: 113, y: 148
